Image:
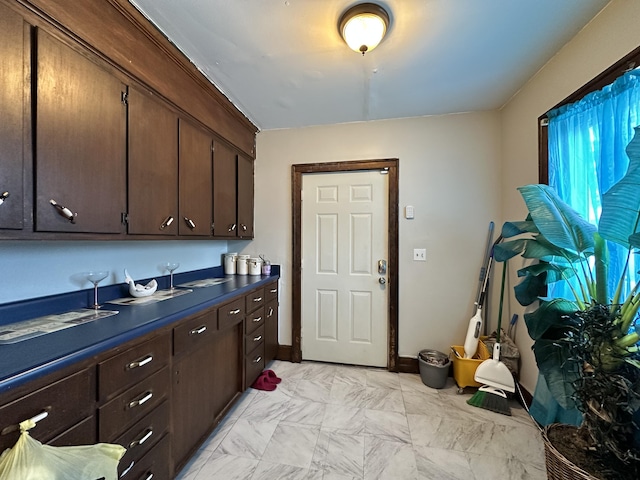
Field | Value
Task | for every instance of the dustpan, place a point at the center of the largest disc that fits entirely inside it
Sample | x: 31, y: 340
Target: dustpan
x: 494, y: 373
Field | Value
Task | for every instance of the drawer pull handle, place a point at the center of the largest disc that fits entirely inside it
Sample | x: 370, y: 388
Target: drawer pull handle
x: 257, y: 319
x: 145, y: 398
x: 64, y: 211
x: 35, y: 419
x: 257, y: 359
x: 270, y: 312
x: 3, y: 197
x: 140, y: 363
x: 274, y: 290
x: 257, y: 299
x: 190, y: 223
x: 232, y: 227
x: 258, y: 338
x: 144, y: 438
x: 167, y: 221
x: 149, y: 477
x: 234, y: 312
x: 126, y: 470
x: 198, y: 331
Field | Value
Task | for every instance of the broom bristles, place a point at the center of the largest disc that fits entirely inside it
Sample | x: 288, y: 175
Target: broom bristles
x: 491, y: 398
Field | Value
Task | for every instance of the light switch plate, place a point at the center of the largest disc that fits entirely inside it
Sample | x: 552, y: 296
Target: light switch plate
x: 409, y: 211
x: 419, y: 254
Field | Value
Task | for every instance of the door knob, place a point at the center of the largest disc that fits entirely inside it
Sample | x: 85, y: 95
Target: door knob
x: 382, y: 281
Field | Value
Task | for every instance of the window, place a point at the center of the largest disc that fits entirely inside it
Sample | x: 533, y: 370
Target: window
x: 585, y: 153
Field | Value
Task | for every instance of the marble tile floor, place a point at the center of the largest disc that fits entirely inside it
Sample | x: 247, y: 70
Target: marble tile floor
x: 337, y: 422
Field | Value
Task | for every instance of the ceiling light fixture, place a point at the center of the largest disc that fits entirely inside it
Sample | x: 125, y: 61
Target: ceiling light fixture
x: 363, y: 26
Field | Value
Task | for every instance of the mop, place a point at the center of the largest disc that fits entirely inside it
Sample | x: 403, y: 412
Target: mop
x: 494, y: 375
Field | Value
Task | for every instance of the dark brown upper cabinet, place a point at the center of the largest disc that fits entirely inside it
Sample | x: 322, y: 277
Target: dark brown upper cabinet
x: 80, y: 157
x: 245, y: 196
x: 14, y: 72
x: 153, y: 166
x: 196, y: 188
x: 225, y: 221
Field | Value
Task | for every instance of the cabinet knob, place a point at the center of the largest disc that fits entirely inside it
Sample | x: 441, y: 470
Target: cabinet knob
x: 3, y: 197
x: 64, y: 211
x: 244, y: 227
x: 190, y: 223
x: 232, y: 227
x: 167, y: 221
x: 257, y: 359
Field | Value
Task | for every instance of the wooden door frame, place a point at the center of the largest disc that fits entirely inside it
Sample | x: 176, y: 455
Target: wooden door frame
x: 391, y: 165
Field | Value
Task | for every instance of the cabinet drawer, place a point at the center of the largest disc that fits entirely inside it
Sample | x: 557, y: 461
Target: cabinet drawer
x: 230, y: 313
x: 83, y: 433
x: 194, y: 332
x: 254, y: 320
x: 67, y: 401
x: 124, y: 410
x: 271, y: 292
x: 154, y: 465
x: 254, y: 364
x: 140, y: 438
x: 254, y: 300
x: 253, y: 340
x: 132, y: 366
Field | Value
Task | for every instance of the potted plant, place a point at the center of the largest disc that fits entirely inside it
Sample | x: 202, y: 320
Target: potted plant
x: 585, y: 346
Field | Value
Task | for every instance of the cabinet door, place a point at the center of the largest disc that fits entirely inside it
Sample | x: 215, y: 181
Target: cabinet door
x: 153, y: 166
x: 80, y: 143
x: 224, y: 191
x: 196, y: 196
x: 191, y: 401
x: 245, y: 197
x: 13, y: 71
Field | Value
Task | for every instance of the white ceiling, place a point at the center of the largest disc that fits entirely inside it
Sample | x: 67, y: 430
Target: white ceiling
x: 284, y: 64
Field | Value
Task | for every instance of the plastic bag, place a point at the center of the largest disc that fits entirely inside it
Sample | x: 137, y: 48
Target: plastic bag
x: 31, y: 460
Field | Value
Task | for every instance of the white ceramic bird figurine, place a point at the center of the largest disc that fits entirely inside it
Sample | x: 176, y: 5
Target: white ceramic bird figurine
x: 138, y: 290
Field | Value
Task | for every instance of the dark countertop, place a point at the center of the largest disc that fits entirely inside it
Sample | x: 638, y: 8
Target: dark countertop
x: 32, y: 358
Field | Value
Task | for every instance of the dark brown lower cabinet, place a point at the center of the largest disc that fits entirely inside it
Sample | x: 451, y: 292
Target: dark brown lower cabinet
x: 159, y: 396
x: 206, y: 379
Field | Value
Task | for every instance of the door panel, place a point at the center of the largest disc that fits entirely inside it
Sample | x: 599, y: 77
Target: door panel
x: 80, y: 142
x: 224, y: 191
x: 153, y: 166
x: 13, y: 71
x: 196, y: 198
x: 344, y: 236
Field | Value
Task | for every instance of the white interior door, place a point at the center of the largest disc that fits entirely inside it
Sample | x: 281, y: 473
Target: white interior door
x: 344, y: 294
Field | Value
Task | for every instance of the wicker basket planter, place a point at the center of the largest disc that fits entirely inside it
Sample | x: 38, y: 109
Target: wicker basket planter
x: 558, y: 467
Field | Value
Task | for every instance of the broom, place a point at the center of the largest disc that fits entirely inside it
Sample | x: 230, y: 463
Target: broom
x: 490, y: 397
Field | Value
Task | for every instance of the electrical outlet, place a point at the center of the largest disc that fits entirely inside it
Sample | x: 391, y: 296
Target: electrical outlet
x: 419, y: 254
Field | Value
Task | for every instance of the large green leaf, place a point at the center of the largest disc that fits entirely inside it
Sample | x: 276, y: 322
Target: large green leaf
x: 558, y: 222
x: 542, y: 249
x: 553, y: 359
x: 621, y: 204
x: 551, y: 314
x: 530, y: 289
x: 511, y: 229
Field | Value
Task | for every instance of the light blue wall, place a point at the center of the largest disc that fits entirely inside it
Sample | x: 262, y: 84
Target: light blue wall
x: 35, y: 269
